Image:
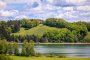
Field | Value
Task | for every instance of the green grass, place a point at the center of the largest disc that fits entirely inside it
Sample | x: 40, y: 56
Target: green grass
x: 39, y: 30
x: 45, y: 58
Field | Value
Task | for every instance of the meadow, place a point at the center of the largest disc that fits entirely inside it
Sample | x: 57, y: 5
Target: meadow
x: 38, y: 30
x: 45, y: 58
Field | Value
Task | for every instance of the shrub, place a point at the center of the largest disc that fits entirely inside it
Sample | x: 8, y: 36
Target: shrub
x: 51, y: 55
x: 28, y: 48
x: 23, y: 51
x: 38, y: 55
x: 4, y: 57
x: 61, y: 56
x: 3, y: 46
x: 16, y: 51
x: 10, y: 48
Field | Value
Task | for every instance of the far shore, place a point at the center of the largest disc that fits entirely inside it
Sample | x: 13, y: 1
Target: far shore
x: 58, y: 43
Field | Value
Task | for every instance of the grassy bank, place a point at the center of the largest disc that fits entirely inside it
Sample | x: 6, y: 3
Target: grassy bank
x: 39, y: 30
x: 45, y: 58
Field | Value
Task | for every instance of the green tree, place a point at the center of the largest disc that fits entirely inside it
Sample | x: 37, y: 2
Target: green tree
x: 56, y: 22
x: 10, y: 48
x: 28, y: 48
x: 3, y: 46
x: 4, y: 57
x: 23, y: 53
x: 16, y: 51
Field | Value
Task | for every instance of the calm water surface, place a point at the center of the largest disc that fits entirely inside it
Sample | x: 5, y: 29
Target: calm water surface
x: 69, y: 50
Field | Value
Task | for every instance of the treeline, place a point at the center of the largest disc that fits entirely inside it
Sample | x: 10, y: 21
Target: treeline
x: 6, y: 28
x: 66, y: 32
x: 69, y: 32
x: 12, y: 48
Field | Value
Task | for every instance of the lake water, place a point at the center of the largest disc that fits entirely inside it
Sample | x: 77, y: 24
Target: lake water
x: 69, y: 50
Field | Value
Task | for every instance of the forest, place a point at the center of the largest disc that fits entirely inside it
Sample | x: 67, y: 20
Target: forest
x: 51, y: 30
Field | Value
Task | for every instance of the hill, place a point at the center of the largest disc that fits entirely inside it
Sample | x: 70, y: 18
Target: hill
x: 39, y: 30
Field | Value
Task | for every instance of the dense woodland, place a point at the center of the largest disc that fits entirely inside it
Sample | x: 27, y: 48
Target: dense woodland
x: 64, y: 31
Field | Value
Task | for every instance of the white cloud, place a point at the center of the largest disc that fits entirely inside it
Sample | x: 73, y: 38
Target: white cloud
x: 22, y: 17
x: 76, y: 1
x: 2, y: 4
x: 60, y: 16
x: 67, y: 15
x: 85, y: 8
x: 50, y: 1
x: 68, y: 8
x: 21, y: 1
x: 8, y: 13
x: 50, y: 7
x: 85, y: 14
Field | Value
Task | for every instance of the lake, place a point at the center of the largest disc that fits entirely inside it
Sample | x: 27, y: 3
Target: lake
x: 69, y: 50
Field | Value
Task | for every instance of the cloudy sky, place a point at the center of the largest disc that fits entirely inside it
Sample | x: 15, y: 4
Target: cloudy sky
x: 70, y: 10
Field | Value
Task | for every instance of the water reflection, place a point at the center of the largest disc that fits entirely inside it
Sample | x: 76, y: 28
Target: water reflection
x: 67, y: 50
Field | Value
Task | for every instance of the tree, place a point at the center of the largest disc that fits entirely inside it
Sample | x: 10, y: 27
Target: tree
x: 16, y: 51
x: 59, y: 35
x: 28, y: 48
x: 23, y: 51
x: 10, y: 48
x: 81, y: 30
x: 4, y: 57
x: 4, y: 31
x: 56, y: 22
x: 31, y: 48
x: 3, y: 46
x: 16, y: 27
x: 30, y: 23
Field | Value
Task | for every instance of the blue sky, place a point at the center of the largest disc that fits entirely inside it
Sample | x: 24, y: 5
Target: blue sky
x: 70, y: 10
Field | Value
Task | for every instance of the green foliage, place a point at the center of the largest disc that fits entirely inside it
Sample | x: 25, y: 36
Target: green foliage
x: 30, y: 23
x: 10, y: 48
x: 28, y: 48
x: 34, y: 29
x: 38, y: 55
x: 37, y: 31
x: 4, y: 30
x: 61, y: 35
x: 3, y: 46
x: 16, y: 51
x: 4, y: 57
x: 84, y: 23
x: 88, y: 26
x: 51, y: 55
x: 23, y: 51
x: 80, y: 29
x: 87, y: 38
x: 55, y: 22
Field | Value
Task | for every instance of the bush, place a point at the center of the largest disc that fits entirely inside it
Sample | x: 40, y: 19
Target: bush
x: 28, y: 48
x: 51, y: 55
x: 3, y: 46
x: 16, y: 51
x: 61, y: 56
x: 38, y: 55
x: 23, y: 51
x: 87, y: 38
x: 4, y: 57
x: 10, y: 48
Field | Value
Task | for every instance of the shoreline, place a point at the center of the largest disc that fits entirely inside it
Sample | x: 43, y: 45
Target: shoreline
x: 58, y: 43
x: 62, y: 43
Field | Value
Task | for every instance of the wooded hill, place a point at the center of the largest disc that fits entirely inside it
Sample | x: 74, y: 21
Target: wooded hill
x: 53, y: 30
